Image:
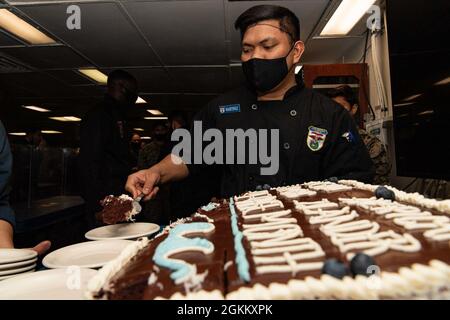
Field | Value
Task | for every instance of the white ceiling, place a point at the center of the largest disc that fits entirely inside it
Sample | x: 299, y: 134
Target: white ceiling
x: 181, y: 52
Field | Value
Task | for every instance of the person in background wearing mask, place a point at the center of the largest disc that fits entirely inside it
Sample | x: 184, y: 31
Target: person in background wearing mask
x: 7, y: 218
x: 105, y: 157
x: 312, y: 128
x: 345, y: 96
x: 135, y: 148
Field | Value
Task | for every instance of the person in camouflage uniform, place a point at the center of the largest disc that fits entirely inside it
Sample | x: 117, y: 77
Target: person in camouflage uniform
x: 379, y: 156
x: 345, y: 96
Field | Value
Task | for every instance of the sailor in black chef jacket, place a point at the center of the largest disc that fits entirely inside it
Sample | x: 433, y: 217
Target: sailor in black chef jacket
x: 318, y: 139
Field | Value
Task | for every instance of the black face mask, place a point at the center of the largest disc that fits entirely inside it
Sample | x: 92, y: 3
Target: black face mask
x: 265, y: 74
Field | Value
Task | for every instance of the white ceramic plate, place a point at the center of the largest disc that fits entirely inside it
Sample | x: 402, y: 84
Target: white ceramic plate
x: 17, y: 270
x: 15, y: 275
x: 123, y: 231
x: 57, y: 284
x: 8, y: 266
x: 91, y: 254
x: 16, y: 255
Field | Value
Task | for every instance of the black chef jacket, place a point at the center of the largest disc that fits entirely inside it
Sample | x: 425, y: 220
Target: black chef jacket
x: 301, y: 114
x: 105, y: 154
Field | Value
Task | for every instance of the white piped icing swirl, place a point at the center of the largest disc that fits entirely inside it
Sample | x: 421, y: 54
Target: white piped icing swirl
x: 430, y: 281
x: 412, y: 198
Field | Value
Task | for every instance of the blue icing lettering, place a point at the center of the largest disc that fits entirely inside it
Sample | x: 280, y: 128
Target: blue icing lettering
x: 176, y: 242
x: 241, y: 258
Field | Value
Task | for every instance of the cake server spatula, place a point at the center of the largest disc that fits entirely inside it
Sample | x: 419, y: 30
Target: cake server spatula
x: 136, y: 205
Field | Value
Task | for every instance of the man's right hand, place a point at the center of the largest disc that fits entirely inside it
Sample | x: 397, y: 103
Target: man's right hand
x: 144, y: 181
x: 147, y: 181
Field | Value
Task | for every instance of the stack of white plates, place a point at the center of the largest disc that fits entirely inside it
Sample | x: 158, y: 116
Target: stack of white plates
x: 14, y: 262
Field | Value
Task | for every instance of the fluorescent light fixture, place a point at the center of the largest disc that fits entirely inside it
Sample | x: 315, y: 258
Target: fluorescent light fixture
x: 66, y: 118
x: 155, y: 112
x: 404, y: 104
x: 51, y: 132
x: 346, y: 17
x: 145, y: 138
x: 140, y: 100
x: 22, y: 29
x: 35, y: 108
x: 156, y: 118
x: 72, y: 118
x: 17, y: 133
x: 413, y: 97
x: 427, y: 112
x: 138, y: 129
x: 443, y: 82
x: 95, y: 75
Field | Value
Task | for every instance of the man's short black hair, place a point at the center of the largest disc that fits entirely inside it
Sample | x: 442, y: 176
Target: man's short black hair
x: 289, y: 22
x: 118, y: 75
x: 344, y: 91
